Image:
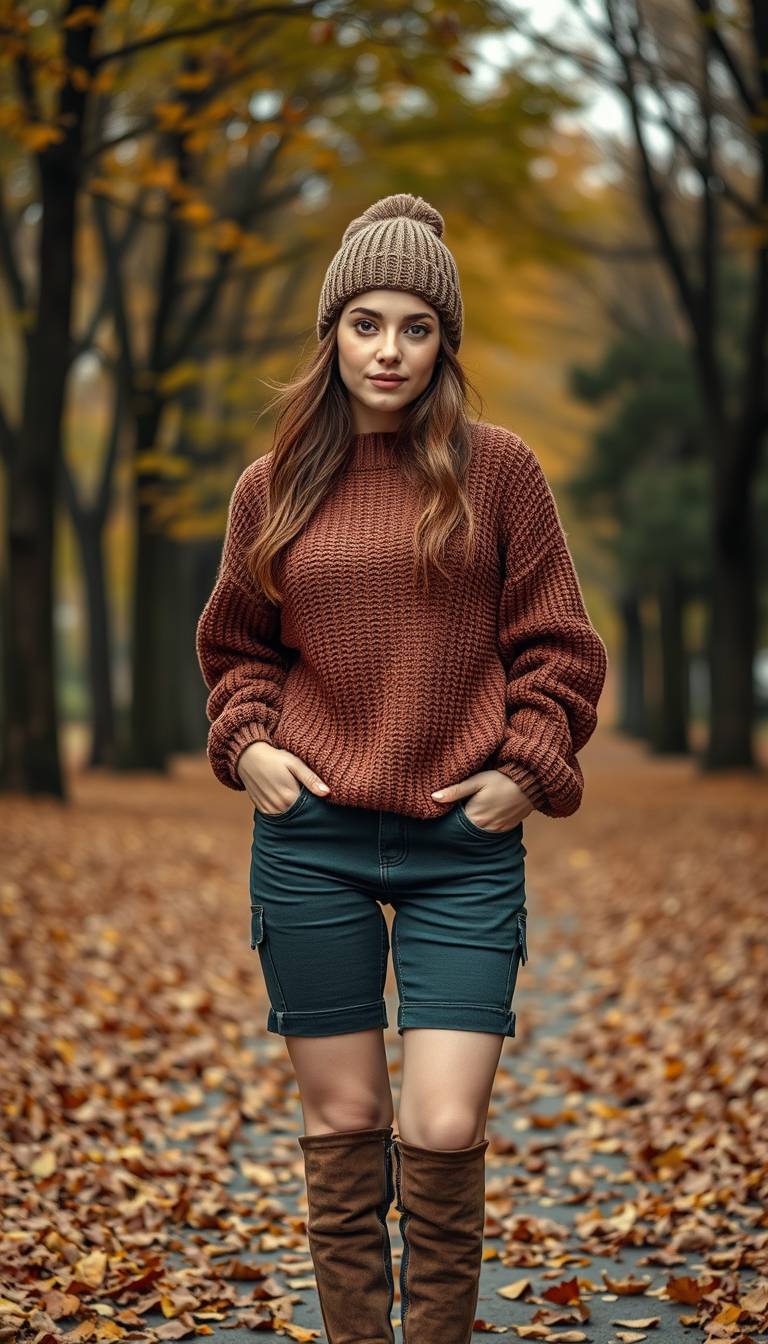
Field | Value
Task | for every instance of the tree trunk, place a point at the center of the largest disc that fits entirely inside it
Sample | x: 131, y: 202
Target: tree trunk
x: 198, y: 562
x: 31, y: 760
x: 731, y: 644
x: 103, y: 749
x: 152, y: 713
x: 633, y: 718
x: 671, y: 718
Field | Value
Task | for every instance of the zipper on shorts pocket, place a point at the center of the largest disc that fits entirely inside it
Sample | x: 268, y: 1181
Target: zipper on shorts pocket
x: 522, y: 916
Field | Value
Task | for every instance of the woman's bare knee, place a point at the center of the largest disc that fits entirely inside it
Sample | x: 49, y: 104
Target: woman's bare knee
x: 448, y: 1126
x: 447, y: 1083
x: 343, y: 1081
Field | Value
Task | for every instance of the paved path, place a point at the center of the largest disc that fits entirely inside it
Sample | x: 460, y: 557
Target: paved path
x: 643, y: 991
x: 525, y: 1175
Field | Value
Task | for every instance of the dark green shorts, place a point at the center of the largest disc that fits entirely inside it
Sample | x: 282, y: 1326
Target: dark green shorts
x: 320, y: 873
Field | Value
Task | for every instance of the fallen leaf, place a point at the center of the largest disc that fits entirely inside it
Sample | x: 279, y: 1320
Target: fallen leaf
x: 514, y: 1290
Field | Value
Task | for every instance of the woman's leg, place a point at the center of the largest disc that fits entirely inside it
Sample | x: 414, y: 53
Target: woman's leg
x: 347, y: 1105
x: 439, y: 1157
x: 447, y: 1084
x: 323, y: 942
x: 343, y: 1080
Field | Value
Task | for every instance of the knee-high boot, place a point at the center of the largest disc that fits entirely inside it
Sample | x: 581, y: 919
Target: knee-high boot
x: 349, y: 1190
x: 440, y: 1193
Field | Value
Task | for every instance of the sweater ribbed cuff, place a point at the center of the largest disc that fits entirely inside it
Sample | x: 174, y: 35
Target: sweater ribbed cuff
x: 244, y: 737
x: 525, y: 779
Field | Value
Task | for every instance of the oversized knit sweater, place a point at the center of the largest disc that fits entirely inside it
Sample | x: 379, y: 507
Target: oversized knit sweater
x: 388, y: 690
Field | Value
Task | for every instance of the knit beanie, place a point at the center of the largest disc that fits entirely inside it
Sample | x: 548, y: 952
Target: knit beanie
x: 395, y: 244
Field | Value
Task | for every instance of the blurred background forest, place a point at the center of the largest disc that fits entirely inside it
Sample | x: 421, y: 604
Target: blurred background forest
x: 175, y: 180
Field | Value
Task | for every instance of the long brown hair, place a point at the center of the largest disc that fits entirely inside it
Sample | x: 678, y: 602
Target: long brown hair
x: 311, y: 447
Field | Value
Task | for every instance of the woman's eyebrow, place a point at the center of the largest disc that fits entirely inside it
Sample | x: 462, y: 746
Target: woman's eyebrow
x: 409, y: 317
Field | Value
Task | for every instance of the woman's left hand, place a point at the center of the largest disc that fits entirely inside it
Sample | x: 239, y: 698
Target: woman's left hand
x: 502, y: 802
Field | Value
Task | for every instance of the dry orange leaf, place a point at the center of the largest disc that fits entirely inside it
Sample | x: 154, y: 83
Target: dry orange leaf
x: 567, y: 1291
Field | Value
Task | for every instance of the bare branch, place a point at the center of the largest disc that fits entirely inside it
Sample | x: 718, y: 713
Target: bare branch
x: 290, y: 11
x: 653, y: 192
x: 717, y: 40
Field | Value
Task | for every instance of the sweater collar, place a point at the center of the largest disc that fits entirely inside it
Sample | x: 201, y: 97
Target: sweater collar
x: 373, y: 448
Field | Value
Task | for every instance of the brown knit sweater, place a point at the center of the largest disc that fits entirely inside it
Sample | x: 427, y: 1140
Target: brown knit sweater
x: 389, y: 692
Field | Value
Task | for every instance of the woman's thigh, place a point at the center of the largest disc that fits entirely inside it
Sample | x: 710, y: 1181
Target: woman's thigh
x: 343, y: 1080
x: 319, y: 930
x: 459, y: 930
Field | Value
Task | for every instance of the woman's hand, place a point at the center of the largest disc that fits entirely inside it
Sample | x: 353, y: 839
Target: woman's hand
x: 267, y: 771
x: 502, y: 802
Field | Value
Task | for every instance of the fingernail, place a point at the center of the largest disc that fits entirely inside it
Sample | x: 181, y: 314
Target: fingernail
x: 438, y: 793
x: 324, y: 787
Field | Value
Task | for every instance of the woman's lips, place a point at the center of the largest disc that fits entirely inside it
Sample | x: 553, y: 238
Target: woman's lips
x: 387, y: 382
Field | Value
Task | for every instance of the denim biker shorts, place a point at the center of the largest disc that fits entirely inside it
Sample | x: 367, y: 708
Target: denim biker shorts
x: 320, y: 873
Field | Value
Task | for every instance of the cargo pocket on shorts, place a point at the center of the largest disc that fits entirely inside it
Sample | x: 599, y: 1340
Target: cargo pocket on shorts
x: 260, y: 943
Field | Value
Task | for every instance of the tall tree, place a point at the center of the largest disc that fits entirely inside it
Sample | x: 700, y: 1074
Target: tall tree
x: 694, y: 83
x: 78, y: 80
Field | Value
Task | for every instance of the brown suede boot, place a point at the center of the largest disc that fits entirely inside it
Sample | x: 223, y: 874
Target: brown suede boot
x: 349, y: 1190
x: 440, y: 1193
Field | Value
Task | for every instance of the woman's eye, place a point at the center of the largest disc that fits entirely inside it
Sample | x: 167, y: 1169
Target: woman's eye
x: 415, y: 326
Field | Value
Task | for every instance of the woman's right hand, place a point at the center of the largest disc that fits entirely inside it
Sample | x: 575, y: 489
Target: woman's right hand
x: 267, y: 771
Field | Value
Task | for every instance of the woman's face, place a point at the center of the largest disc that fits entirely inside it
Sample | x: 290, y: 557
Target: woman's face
x: 386, y: 332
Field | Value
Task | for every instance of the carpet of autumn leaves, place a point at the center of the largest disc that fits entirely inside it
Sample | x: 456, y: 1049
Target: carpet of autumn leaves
x: 150, y: 1179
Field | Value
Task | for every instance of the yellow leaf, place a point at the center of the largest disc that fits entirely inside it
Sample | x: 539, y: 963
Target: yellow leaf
x: 673, y: 1157
x: 44, y: 1165
x: 104, y: 80
x: 514, y: 1290
x: 161, y: 174
x: 10, y: 116
x: 92, y: 1268
x: 197, y: 141
x: 181, y: 375
x: 604, y: 1110
x: 170, y: 116
x: 79, y: 78
x: 298, y: 1332
x: 85, y: 16
x: 160, y: 464
x: 38, y: 136
x: 219, y: 109
x: 229, y: 236
x: 673, y: 1068
x: 193, y: 79
x: 729, y: 1314
x: 195, y: 212
x: 65, y: 1049
x: 109, y: 1330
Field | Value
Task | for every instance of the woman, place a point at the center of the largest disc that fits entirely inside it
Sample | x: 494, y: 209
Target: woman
x: 401, y: 668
